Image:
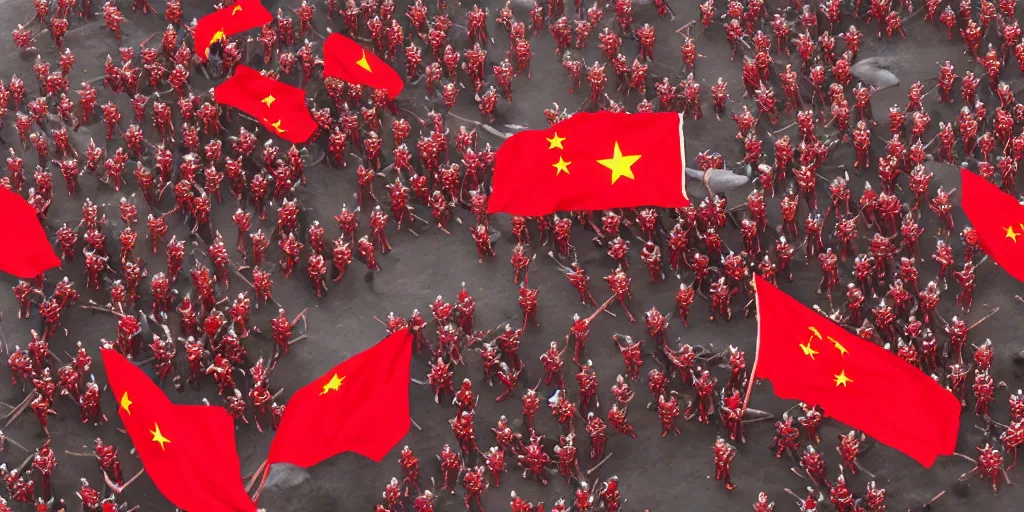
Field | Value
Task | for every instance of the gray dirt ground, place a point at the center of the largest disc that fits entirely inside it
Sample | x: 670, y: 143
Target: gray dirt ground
x: 655, y: 473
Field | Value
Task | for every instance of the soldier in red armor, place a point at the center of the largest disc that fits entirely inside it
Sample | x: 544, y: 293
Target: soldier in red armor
x: 724, y: 455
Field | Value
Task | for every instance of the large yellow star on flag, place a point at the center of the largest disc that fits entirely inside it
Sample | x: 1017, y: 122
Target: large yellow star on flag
x: 158, y: 437
x: 126, y: 403
x: 621, y: 165
x: 842, y: 379
x: 555, y: 142
x: 363, y: 63
x: 1011, y: 234
x: 269, y: 100
x: 333, y: 385
x: 562, y: 166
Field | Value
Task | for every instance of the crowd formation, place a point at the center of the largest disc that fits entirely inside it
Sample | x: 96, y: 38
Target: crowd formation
x: 178, y: 140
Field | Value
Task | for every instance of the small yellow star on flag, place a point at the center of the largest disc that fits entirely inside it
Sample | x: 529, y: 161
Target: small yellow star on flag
x: 562, y: 166
x: 555, y: 142
x: 158, y: 437
x: 1011, y: 234
x: 842, y: 350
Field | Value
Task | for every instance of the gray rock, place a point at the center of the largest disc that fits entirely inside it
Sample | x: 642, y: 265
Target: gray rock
x: 717, y: 181
x: 283, y: 475
x: 878, y: 72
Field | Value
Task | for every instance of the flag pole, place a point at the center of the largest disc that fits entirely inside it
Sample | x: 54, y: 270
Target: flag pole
x: 263, y: 481
x: 252, y: 481
x: 682, y: 155
x: 757, y: 345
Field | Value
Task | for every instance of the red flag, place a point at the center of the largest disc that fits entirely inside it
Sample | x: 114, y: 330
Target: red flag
x: 347, y: 60
x: 998, y: 219
x: 361, y: 405
x: 591, y: 162
x: 26, y: 250
x: 278, y: 106
x: 218, y: 25
x: 809, y: 358
x: 187, y: 450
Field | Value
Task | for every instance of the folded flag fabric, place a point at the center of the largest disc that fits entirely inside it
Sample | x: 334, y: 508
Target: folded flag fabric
x: 188, y: 450
x: 998, y: 219
x: 278, y: 106
x: 218, y: 25
x: 361, y: 405
x: 809, y: 358
x: 345, y: 59
x: 27, y: 251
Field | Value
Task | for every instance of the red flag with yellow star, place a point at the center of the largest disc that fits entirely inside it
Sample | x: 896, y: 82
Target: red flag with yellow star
x: 218, y: 25
x: 809, y: 358
x: 278, y: 106
x: 188, y: 451
x: 345, y: 59
x: 361, y: 405
x: 592, y: 161
x: 998, y: 219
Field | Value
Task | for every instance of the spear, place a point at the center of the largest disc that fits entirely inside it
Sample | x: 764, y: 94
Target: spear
x: 986, y: 317
x: 599, y: 310
x: 3, y: 338
x: 118, y: 489
x: 20, y: 408
x: 965, y: 476
x: 605, y: 459
x: 485, y: 127
x: 793, y: 494
x: 12, y: 441
x: 685, y: 28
